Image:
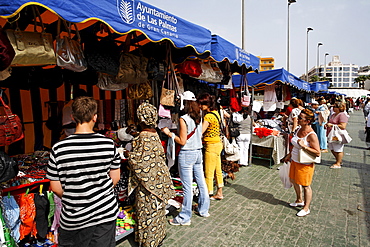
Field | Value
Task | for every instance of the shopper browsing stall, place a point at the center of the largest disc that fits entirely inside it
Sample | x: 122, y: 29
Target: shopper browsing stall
x: 83, y: 169
x: 190, y: 159
x: 150, y: 180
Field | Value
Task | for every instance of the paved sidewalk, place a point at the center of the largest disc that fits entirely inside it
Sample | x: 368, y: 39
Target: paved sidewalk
x: 255, y: 211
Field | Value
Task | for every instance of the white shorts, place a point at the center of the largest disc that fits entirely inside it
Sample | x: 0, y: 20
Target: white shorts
x: 336, y: 147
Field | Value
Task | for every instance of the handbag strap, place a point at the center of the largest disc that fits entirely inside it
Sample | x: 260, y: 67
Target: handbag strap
x: 219, y: 122
x: 192, y: 133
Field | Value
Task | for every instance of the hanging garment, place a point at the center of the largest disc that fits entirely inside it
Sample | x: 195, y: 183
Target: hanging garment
x: 56, y: 222
x: 27, y: 215
x: 269, y: 99
x: 42, y: 212
x: 5, y: 237
x: 51, y: 207
x: 11, y: 214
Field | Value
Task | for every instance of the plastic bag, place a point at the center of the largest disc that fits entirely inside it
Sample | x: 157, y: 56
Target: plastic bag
x: 284, y: 175
x: 335, y: 135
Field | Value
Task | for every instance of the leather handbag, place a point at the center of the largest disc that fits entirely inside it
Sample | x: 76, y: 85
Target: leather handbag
x: 7, y: 52
x: 167, y: 97
x: 210, y: 73
x: 68, y: 51
x: 190, y: 67
x: 10, y: 126
x: 32, y: 48
x: 132, y: 69
x: 306, y: 157
x: 108, y: 82
x: 140, y: 91
x: 8, y: 167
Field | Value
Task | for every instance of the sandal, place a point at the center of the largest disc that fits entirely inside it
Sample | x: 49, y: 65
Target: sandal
x: 213, y: 198
x: 335, y: 167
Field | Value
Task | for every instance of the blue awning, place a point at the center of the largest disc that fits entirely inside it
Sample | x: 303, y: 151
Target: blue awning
x: 319, y: 86
x: 221, y: 49
x: 269, y: 77
x: 123, y: 16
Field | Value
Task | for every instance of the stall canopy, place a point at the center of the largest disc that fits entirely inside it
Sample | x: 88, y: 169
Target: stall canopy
x: 354, y: 93
x: 221, y: 49
x: 319, y: 86
x: 259, y: 81
x: 122, y: 16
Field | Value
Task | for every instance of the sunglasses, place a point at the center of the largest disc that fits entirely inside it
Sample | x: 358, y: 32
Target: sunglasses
x: 301, y: 118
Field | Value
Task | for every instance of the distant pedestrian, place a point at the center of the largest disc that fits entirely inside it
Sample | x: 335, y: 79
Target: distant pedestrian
x: 301, y: 174
x: 368, y: 131
x: 339, y: 118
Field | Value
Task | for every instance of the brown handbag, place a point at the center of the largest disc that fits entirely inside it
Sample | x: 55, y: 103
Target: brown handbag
x: 168, y: 94
x: 10, y: 126
x: 140, y: 91
x: 32, y: 48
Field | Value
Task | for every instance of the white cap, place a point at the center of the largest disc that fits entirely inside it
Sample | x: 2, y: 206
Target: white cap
x: 314, y: 102
x: 187, y: 95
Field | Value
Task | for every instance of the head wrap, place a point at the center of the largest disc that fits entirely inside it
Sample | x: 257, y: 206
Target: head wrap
x: 147, y: 114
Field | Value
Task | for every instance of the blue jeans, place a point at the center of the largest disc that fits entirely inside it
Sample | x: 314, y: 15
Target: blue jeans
x: 321, y: 135
x: 191, y: 163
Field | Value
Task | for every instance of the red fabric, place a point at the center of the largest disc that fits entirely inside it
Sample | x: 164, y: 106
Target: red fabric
x: 190, y: 67
x: 262, y: 132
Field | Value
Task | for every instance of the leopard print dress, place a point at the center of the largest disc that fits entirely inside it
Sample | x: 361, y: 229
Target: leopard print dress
x: 151, y: 182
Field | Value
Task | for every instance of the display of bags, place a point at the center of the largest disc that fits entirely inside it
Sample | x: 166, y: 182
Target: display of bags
x: 10, y: 126
x: 132, y: 69
x: 102, y: 55
x: 210, y: 73
x: 8, y: 167
x: 7, y: 52
x: 156, y: 70
x: 244, y: 92
x: 108, y: 82
x: 190, y: 67
x: 68, y: 51
x: 284, y: 175
x: 32, y: 48
x: 140, y: 91
x: 306, y: 157
x: 334, y: 135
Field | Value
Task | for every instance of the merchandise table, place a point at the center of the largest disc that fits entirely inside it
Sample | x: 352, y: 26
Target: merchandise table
x: 276, y: 148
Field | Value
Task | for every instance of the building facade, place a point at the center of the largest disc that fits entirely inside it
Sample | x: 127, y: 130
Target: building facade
x: 340, y: 75
x: 267, y: 63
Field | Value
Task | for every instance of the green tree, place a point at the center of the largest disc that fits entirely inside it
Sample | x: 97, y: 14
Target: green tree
x: 314, y: 78
x: 361, y: 80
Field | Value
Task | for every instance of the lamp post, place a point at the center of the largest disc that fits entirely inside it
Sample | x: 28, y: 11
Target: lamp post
x: 318, y: 59
x: 287, y: 63
x: 326, y: 54
x: 243, y: 24
x: 308, y: 30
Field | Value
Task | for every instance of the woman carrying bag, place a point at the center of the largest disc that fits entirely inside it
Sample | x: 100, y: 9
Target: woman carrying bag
x: 304, y: 140
x: 190, y: 159
x: 339, y: 118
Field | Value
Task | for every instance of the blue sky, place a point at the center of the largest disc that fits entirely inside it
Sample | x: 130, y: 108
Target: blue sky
x: 341, y: 25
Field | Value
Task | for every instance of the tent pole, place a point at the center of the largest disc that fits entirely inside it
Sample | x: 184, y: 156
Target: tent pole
x: 251, y: 116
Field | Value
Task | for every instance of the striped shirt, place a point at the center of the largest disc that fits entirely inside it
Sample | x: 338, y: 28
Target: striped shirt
x: 82, y: 162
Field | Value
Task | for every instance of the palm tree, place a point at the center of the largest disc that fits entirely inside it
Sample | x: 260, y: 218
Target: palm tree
x: 361, y: 80
x: 314, y: 78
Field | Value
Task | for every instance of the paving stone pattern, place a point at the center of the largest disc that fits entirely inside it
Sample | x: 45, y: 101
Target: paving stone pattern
x: 255, y: 211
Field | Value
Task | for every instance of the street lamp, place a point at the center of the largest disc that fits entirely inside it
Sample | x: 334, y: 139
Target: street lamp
x: 326, y: 54
x: 308, y: 30
x: 289, y: 2
x: 243, y: 24
x: 318, y: 59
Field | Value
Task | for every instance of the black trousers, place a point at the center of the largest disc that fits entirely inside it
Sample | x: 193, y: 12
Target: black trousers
x: 102, y: 235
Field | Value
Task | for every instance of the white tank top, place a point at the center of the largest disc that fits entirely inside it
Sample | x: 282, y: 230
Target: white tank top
x: 297, y: 147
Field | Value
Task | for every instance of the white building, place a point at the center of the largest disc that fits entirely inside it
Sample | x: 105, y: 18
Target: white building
x: 340, y: 75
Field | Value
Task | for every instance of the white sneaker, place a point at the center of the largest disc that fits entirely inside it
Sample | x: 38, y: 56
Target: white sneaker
x: 296, y: 204
x: 303, y: 213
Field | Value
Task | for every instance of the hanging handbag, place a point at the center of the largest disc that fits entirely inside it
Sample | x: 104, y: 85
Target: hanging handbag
x: 7, y: 52
x: 233, y: 128
x: 132, y: 69
x: 346, y: 138
x: 244, y: 92
x: 306, y: 157
x: 140, y: 91
x: 68, y: 51
x: 32, y: 48
x: 163, y: 112
x: 108, y: 82
x: 190, y: 67
x: 8, y: 167
x: 10, y: 126
x: 210, y: 72
x: 168, y: 94
x: 156, y: 70
x: 234, y: 101
x: 102, y: 55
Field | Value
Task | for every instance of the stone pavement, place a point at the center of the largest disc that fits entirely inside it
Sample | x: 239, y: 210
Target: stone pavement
x: 255, y: 211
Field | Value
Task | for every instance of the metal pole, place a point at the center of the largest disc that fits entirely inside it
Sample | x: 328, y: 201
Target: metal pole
x: 243, y: 24
x: 251, y: 116
x: 287, y: 65
x: 308, y: 29
x: 325, y: 64
x: 318, y: 59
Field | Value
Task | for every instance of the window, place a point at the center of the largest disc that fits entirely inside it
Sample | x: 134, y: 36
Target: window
x: 346, y: 74
x: 335, y: 84
x: 335, y: 68
x: 345, y: 79
x: 335, y: 79
x: 339, y: 79
x: 335, y: 74
x: 339, y: 74
x: 354, y: 69
x: 354, y: 85
x: 346, y: 68
x: 345, y: 84
x: 329, y: 69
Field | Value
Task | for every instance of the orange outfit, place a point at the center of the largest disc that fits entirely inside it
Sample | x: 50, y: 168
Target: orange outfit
x: 301, y: 173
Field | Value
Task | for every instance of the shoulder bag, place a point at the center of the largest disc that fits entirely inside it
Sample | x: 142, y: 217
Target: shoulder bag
x: 68, y: 51
x: 10, y: 126
x: 8, y: 167
x: 32, y: 48
x: 306, y: 157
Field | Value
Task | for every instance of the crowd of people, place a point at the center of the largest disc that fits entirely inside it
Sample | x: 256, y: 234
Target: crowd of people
x: 199, y: 131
